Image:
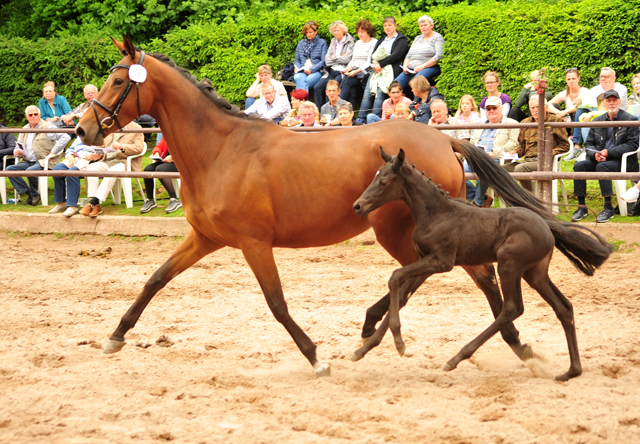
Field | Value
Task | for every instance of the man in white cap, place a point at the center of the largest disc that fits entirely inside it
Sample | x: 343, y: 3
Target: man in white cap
x: 604, y: 148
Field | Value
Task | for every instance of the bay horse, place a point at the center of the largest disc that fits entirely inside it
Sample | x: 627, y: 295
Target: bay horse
x: 255, y: 186
x: 450, y: 233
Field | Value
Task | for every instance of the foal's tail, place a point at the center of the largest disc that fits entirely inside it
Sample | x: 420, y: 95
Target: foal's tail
x: 492, y: 174
x: 586, y: 252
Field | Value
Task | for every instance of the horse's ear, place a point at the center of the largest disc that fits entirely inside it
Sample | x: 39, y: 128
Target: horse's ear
x: 119, y: 45
x: 385, y: 156
x: 129, y: 49
x: 399, y: 160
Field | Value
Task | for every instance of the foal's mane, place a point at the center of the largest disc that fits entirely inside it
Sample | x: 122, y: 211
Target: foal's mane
x: 427, y: 180
x: 207, y: 90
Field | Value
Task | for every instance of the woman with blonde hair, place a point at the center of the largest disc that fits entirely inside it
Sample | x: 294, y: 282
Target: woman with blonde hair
x: 337, y: 59
x: 52, y: 105
x: 467, y: 110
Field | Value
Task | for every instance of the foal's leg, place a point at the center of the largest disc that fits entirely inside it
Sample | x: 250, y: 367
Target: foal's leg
x: 259, y: 256
x: 194, y: 247
x: 538, y: 278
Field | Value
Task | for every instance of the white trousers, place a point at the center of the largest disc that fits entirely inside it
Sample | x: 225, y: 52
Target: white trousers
x: 102, y: 191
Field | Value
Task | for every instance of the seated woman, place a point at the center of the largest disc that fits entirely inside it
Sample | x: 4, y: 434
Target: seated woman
x: 345, y: 115
x: 491, y: 81
x: 310, y: 54
x: 357, y: 72
x: 467, y: 110
x: 263, y: 77
x: 162, y: 163
x: 572, y: 97
x: 401, y: 111
x: 528, y: 91
x: 634, y: 97
x: 52, y: 105
x: 424, y: 94
x: 423, y: 56
x: 395, y: 96
x: 337, y: 59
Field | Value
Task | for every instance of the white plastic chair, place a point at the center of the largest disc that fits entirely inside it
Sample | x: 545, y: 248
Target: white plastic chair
x: 123, y: 184
x: 176, y: 186
x: 554, y: 183
x: 43, y: 182
x: 621, y: 185
x: 3, y: 183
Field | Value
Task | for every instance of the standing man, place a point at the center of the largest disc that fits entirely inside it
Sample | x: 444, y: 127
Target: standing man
x: 527, y: 148
x: 331, y: 107
x: 604, y: 148
x: 37, y: 146
x: 90, y: 92
x: 607, y: 82
x: 271, y: 107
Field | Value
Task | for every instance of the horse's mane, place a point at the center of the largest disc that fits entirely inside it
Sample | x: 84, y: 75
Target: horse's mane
x: 427, y: 180
x: 206, y: 89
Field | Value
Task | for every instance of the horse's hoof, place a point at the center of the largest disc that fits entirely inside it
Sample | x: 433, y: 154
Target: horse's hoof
x: 448, y: 367
x: 322, y: 369
x: 354, y: 357
x: 401, y: 350
x: 365, y: 340
x: 113, y: 346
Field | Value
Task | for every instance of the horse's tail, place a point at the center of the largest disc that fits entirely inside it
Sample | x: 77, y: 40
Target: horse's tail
x: 586, y: 252
x: 493, y: 175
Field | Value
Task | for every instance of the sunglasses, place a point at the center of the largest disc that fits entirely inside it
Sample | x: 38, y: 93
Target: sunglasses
x: 571, y: 70
x: 33, y: 115
x: 490, y: 108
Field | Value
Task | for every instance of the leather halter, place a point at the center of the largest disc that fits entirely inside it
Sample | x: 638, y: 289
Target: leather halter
x: 107, y: 122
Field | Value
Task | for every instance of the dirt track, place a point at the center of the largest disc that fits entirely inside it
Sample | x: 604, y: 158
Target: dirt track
x: 234, y: 375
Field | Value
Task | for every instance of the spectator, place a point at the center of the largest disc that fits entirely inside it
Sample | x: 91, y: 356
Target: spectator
x: 293, y: 118
x: 607, y: 82
x: 308, y: 112
x: 395, y: 45
x: 494, y: 142
x: 329, y: 111
x: 162, y: 163
x: 401, y: 111
x: 310, y: 54
x: 604, y: 148
x: 37, y: 146
x: 440, y: 116
x: 356, y: 74
x: 491, y: 81
x: 271, y: 107
x: 53, y: 106
x: 67, y: 189
x: 424, y: 94
x: 124, y: 145
x: 634, y: 97
x: 423, y: 56
x: 90, y: 92
x: 467, y: 111
x: 528, y: 91
x: 345, y: 115
x: 337, y: 59
x: 264, y: 76
x: 573, y: 98
x: 528, y: 142
x: 7, y: 146
x: 388, y: 106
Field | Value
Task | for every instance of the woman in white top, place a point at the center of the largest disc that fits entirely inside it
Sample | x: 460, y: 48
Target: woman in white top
x: 357, y: 71
x: 572, y: 97
x: 423, y: 56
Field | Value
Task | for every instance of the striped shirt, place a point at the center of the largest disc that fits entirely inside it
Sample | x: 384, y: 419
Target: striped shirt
x: 423, y: 50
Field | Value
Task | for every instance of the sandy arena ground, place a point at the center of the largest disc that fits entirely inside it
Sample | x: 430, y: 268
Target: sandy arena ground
x: 234, y: 375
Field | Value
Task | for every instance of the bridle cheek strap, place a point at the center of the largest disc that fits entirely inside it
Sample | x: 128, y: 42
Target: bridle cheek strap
x: 113, y: 113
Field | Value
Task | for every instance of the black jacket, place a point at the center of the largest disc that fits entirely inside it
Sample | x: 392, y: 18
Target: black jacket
x: 625, y: 139
x: 399, y: 50
x: 7, y: 143
x: 422, y: 110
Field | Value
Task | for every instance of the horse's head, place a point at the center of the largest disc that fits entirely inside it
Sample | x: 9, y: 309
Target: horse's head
x: 120, y: 100
x: 384, y: 188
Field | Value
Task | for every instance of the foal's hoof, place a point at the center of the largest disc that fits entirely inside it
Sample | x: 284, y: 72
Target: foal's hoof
x: 401, y: 349
x: 355, y: 357
x: 448, y: 366
x: 527, y: 352
x: 113, y: 346
x: 322, y: 369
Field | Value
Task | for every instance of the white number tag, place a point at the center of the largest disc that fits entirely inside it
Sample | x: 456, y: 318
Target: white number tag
x: 138, y: 73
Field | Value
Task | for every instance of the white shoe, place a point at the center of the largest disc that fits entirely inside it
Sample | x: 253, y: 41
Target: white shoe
x: 71, y: 211
x: 58, y: 208
x: 631, y: 195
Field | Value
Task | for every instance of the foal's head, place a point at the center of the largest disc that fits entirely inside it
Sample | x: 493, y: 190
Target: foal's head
x: 385, y: 186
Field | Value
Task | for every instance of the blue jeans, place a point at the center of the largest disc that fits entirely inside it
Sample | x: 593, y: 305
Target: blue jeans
x: 72, y: 187
x: 475, y: 193
x: 368, y: 100
x: 429, y: 73
x: 18, y: 182
x: 306, y: 82
x: 577, y: 132
x: 373, y: 118
x: 250, y: 101
x: 349, y: 89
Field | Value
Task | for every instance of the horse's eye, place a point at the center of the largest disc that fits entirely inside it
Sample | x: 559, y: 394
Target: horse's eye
x: 383, y: 183
x: 118, y: 81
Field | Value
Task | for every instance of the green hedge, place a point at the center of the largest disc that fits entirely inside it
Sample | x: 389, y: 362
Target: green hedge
x: 512, y: 38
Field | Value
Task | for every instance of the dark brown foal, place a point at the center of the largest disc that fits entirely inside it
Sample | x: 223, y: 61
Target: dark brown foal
x: 450, y: 233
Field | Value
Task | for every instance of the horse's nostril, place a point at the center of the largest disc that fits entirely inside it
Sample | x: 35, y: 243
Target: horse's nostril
x: 80, y: 132
x: 356, y: 207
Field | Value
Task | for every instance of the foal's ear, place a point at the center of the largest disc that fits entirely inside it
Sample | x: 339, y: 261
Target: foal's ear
x: 398, y: 161
x: 385, y: 156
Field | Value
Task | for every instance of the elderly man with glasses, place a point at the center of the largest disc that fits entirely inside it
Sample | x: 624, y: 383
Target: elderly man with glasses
x: 271, y: 106
x: 33, y: 148
x: 608, y: 82
x: 90, y: 92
